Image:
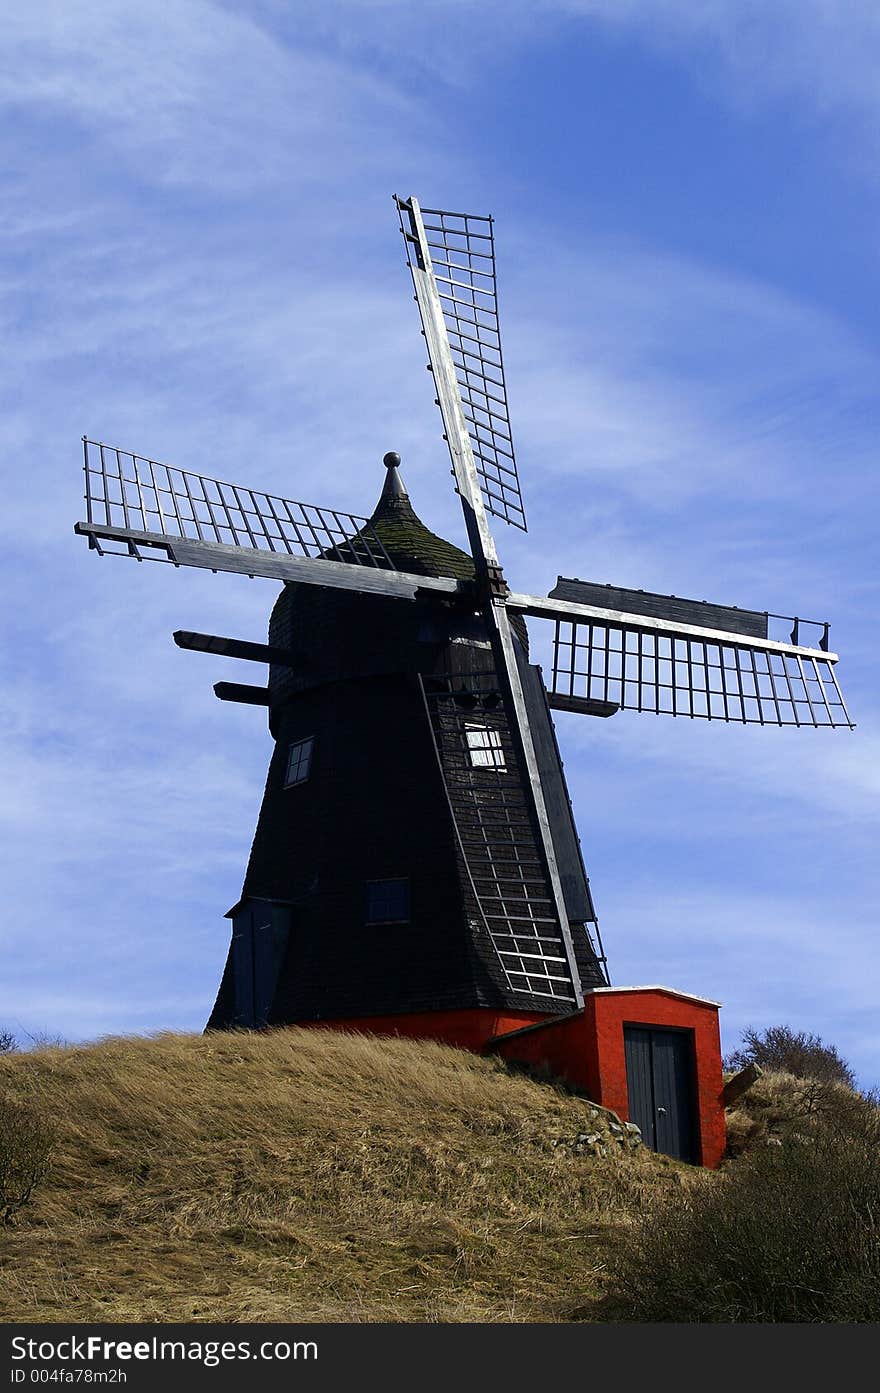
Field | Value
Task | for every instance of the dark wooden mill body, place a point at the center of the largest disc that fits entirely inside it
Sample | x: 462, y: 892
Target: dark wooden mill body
x: 415, y: 866
x: 385, y: 698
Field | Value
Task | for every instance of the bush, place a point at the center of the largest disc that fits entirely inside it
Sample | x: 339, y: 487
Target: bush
x: 25, y: 1147
x: 780, y: 1107
x: 7, y: 1042
x: 787, y: 1234
x: 791, y: 1052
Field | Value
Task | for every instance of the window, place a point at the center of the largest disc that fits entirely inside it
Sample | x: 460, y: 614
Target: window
x: 299, y: 762
x: 387, y: 901
x: 484, y: 747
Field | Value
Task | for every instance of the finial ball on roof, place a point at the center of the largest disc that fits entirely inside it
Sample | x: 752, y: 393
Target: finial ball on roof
x: 391, y: 460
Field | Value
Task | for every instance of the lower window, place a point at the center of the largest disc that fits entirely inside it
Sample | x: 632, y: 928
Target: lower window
x: 388, y: 901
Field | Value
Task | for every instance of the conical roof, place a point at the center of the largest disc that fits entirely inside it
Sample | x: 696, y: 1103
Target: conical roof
x: 410, y: 545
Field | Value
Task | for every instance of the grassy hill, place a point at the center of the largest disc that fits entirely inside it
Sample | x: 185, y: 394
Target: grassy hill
x: 309, y: 1175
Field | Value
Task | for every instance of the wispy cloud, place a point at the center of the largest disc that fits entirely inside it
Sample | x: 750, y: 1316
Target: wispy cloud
x: 820, y: 57
x: 823, y: 55
x: 197, y: 97
x: 827, y: 774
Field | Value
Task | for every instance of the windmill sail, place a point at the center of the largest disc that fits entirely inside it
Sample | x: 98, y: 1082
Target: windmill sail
x: 138, y: 507
x: 490, y: 808
x: 455, y: 254
x: 129, y: 492
x: 683, y: 658
x: 476, y: 500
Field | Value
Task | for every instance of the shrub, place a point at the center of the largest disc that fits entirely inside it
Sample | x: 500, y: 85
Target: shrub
x: 25, y: 1146
x: 790, y: 1233
x: 7, y: 1042
x: 791, y: 1052
x: 45, y: 1040
x: 780, y: 1107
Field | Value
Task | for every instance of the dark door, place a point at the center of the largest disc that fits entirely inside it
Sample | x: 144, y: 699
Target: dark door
x: 259, y: 939
x: 660, y: 1085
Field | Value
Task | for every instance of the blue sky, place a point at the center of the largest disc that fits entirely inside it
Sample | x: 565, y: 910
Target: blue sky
x: 200, y: 262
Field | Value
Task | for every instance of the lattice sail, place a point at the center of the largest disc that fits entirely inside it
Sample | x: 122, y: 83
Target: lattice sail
x: 496, y: 834
x: 724, y: 668
x: 680, y: 676
x: 138, y: 498
x: 459, y: 248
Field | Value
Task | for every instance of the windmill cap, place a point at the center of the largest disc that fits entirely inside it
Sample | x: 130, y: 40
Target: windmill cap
x: 411, y: 546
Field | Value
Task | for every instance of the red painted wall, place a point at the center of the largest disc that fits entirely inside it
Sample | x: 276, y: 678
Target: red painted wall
x: 585, y: 1050
x: 468, y: 1029
x: 615, y: 1009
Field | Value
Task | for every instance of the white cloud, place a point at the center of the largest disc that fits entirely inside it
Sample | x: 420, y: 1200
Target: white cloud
x: 193, y: 95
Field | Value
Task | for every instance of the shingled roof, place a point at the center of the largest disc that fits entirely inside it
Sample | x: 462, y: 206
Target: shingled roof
x: 410, y: 545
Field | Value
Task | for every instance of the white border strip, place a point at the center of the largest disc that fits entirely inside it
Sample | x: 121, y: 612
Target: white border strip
x: 655, y: 987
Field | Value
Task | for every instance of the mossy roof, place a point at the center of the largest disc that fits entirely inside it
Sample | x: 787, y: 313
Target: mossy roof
x: 410, y: 545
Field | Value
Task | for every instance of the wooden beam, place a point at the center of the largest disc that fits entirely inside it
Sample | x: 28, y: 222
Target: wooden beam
x: 740, y: 1084
x: 310, y: 570
x: 586, y: 706
x: 240, y: 692
x: 233, y: 648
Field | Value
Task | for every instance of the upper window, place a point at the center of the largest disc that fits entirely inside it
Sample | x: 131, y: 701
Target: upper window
x: 388, y: 901
x: 299, y: 761
x: 484, y: 747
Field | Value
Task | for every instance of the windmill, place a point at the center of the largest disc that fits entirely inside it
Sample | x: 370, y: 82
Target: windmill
x: 416, y: 850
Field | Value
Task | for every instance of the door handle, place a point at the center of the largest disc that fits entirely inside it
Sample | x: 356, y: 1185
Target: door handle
x: 662, y: 1111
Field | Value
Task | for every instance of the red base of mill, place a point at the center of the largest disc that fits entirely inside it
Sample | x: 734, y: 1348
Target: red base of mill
x: 586, y: 1049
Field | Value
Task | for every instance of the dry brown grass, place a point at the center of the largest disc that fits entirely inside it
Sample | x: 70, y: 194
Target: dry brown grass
x: 309, y: 1175
x: 782, y: 1108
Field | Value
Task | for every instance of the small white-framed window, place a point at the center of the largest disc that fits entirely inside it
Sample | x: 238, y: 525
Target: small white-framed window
x: 484, y: 747
x: 299, y: 761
